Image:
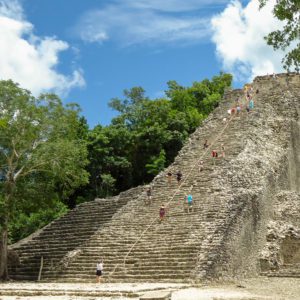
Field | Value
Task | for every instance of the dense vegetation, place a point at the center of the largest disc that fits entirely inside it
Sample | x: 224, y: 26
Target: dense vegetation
x: 50, y: 160
x: 42, y: 160
x: 289, y: 37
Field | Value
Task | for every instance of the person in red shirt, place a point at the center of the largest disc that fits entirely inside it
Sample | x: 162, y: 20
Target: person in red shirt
x: 214, y: 155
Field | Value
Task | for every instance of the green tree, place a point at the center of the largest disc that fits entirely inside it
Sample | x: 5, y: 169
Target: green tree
x: 107, y: 184
x: 30, y: 220
x: 131, y: 108
x: 78, y: 195
x: 109, y: 151
x: 40, y: 154
x: 289, y: 12
x: 157, y: 163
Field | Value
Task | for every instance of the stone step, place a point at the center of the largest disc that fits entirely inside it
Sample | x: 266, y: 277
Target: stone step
x: 138, y: 253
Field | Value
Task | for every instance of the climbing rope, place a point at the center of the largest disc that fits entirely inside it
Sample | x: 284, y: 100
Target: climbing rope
x: 172, y: 197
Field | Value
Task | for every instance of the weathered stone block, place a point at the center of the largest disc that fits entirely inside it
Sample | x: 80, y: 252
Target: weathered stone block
x: 157, y: 295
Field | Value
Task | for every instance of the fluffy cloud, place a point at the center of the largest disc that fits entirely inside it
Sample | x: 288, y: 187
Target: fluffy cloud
x: 238, y: 33
x: 11, y: 9
x: 140, y: 21
x: 28, y: 59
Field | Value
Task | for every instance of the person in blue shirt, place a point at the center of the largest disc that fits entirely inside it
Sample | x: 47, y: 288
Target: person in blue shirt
x: 251, y: 104
x: 189, y: 202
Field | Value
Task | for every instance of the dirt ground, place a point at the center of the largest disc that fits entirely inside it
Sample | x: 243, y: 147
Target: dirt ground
x: 250, y: 289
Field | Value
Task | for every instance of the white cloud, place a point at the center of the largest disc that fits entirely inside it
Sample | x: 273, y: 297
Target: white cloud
x: 11, y: 9
x: 238, y: 33
x: 29, y: 59
x: 149, y: 22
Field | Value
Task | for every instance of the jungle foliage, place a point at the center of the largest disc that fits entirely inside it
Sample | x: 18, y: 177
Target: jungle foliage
x: 42, y: 159
x: 289, y: 12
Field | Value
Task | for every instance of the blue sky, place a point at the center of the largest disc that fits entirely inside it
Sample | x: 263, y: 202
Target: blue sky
x: 90, y: 51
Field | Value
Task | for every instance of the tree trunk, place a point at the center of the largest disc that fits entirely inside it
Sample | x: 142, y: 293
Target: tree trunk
x: 3, y: 254
x: 4, y: 232
x: 9, y: 187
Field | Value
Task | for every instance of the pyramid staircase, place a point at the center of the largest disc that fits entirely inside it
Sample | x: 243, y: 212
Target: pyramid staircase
x: 126, y: 232
x: 60, y: 239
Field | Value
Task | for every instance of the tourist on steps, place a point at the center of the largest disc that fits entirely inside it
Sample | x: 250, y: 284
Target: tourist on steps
x: 201, y: 166
x: 162, y: 213
x: 189, y: 202
x: 241, y: 107
x: 251, y: 104
x: 99, y: 270
x: 178, y: 177
x: 223, y: 150
x: 214, y: 155
x: 248, y: 96
x: 169, y: 177
x: 149, y: 195
x: 205, y: 146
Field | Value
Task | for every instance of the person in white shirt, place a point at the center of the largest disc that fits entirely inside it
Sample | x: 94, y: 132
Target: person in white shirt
x: 99, y: 271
